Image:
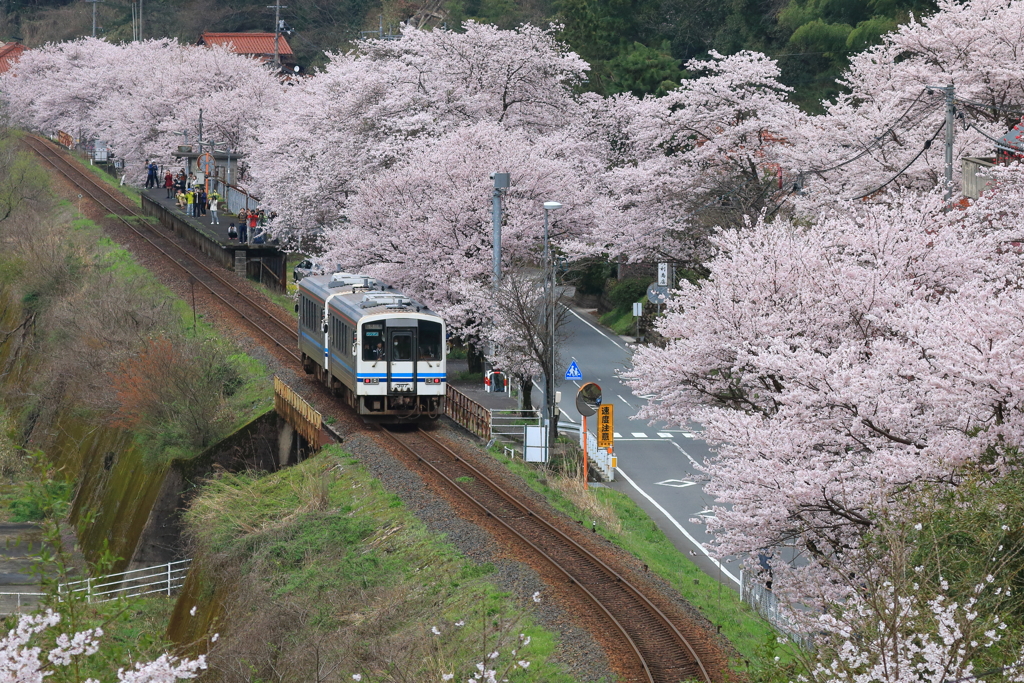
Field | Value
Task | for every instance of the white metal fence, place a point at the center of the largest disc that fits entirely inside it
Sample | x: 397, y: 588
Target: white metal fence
x: 162, y: 579
x: 510, y: 425
x: 233, y: 198
x: 765, y: 603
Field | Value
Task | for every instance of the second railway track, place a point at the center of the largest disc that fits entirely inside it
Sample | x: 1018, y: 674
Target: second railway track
x: 661, y: 650
x: 261, y: 317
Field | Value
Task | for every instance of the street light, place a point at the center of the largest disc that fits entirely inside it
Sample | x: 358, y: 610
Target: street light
x: 549, y: 291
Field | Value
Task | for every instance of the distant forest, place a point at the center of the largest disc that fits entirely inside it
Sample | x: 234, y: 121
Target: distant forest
x: 640, y: 46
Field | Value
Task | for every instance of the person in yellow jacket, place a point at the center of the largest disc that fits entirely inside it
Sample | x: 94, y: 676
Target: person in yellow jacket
x: 190, y: 198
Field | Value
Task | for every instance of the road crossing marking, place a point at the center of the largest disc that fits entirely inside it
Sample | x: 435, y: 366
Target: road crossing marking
x: 639, y: 435
x: 665, y: 435
x: 618, y: 436
x: 677, y: 483
x: 688, y: 435
x: 706, y: 513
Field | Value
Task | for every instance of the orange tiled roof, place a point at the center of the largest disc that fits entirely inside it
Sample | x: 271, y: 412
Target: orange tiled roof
x: 9, y: 53
x: 261, y: 44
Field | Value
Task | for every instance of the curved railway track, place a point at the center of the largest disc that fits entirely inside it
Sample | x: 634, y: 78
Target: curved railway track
x: 662, y: 652
x: 262, y: 319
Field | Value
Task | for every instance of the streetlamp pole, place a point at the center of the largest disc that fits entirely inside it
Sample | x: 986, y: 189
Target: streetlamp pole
x: 93, y: 3
x: 549, y: 301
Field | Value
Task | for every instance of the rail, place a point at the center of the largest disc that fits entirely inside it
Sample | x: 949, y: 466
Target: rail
x: 119, y: 207
x: 161, y: 579
x: 652, y: 629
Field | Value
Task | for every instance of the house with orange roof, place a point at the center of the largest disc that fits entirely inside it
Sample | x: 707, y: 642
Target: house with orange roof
x: 257, y: 45
x: 9, y: 54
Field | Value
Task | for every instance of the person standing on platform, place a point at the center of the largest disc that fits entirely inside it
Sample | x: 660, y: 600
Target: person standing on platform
x: 253, y: 218
x: 243, y: 232
x: 190, y: 199
x: 202, y: 200
x: 169, y: 184
x: 214, y: 219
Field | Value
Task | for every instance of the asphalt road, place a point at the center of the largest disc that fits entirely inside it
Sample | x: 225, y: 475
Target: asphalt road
x: 655, y: 463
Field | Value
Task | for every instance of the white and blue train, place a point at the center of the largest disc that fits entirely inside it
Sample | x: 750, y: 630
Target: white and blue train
x: 380, y: 351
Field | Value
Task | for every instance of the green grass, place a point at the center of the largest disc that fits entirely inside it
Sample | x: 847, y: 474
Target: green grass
x: 130, y: 191
x: 620, y: 321
x: 752, y: 637
x: 321, y: 551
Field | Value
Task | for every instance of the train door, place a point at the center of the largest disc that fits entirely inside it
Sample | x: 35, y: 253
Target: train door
x: 401, y: 357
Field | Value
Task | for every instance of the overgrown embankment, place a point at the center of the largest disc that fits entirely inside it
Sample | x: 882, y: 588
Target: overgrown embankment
x: 101, y: 367
x: 316, y: 573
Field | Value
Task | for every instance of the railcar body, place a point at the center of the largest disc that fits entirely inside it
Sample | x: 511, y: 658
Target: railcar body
x: 377, y: 349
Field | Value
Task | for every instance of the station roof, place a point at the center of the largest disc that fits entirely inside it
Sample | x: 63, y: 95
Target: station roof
x: 9, y: 53
x: 255, y: 44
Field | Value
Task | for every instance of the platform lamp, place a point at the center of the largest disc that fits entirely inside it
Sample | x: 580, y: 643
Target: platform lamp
x: 549, y: 301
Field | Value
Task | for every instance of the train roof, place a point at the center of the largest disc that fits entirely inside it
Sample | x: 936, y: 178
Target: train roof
x: 361, y: 295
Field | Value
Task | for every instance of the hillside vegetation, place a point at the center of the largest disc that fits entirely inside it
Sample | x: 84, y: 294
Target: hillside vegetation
x: 640, y: 47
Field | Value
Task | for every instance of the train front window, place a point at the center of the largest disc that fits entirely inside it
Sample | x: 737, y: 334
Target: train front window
x: 373, y: 341
x: 430, y: 340
x: 401, y: 347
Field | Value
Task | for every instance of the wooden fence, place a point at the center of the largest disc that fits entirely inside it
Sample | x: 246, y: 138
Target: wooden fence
x: 298, y: 413
x: 467, y: 412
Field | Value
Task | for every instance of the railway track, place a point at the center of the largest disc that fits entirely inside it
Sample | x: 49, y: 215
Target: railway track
x: 661, y: 650
x: 217, y: 282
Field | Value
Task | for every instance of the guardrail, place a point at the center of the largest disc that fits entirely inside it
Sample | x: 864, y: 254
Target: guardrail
x: 603, y: 461
x: 163, y: 579
x: 765, y: 603
x: 510, y: 425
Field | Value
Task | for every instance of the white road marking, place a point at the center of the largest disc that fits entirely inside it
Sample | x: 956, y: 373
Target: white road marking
x: 677, y: 525
x: 566, y: 416
x: 706, y: 513
x: 677, y: 483
x: 589, y: 324
x: 688, y: 456
x: 625, y: 401
x: 639, y: 435
x: 665, y: 435
x: 688, y: 435
x: 617, y: 435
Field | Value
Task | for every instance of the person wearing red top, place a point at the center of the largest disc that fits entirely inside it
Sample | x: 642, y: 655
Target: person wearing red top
x: 169, y: 184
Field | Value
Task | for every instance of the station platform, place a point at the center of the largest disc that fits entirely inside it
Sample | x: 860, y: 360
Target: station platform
x: 264, y: 263
x: 474, y: 389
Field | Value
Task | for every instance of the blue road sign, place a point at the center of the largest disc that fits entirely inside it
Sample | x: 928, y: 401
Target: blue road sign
x: 573, y: 372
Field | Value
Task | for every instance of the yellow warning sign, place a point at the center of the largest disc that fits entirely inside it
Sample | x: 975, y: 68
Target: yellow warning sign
x: 605, y: 425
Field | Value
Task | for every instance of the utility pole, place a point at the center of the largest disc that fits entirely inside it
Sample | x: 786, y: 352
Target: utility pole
x: 277, y: 7
x: 501, y: 183
x: 140, y: 20
x: 93, y: 3
x: 948, y: 90
x: 549, y: 302
x: 950, y: 118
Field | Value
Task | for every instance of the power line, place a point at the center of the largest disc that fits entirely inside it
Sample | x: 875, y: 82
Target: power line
x: 874, y: 142
x: 927, y: 145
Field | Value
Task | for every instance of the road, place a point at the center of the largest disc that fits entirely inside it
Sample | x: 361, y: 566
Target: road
x: 655, y: 464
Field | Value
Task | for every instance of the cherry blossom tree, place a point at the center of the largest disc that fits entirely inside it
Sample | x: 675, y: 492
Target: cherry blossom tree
x: 837, y: 366
x: 139, y: 97
x: 699, y: 159
x: 23, y: 661
x: 424, y: 225
x: 882, y: 125
x: 361, y: 114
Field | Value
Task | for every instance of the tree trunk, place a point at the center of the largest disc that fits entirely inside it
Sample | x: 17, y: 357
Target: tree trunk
x: 525, y: 395
x: 474, y: 358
